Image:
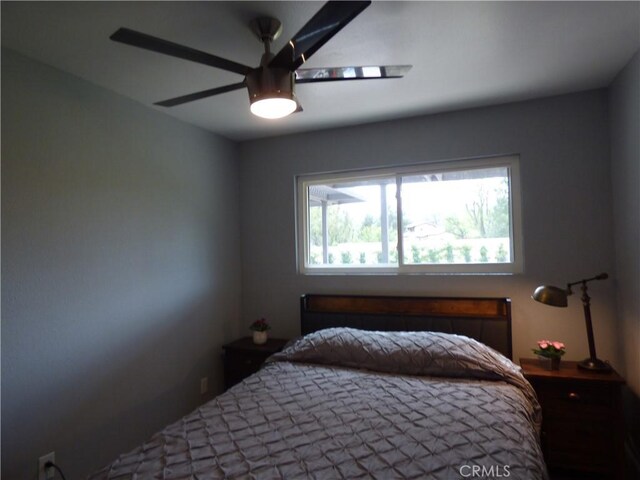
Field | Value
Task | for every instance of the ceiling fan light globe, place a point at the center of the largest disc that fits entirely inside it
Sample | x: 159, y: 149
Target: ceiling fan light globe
x: 273, y: 108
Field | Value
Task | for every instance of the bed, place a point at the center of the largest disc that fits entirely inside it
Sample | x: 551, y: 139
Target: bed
x: 377, y: 387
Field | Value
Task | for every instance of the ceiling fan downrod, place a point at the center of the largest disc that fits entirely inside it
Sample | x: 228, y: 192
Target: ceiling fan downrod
x: 271, y: 89
x: 266, y: 29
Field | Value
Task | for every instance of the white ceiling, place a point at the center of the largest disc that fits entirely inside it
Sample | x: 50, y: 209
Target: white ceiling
x: 464, y: 54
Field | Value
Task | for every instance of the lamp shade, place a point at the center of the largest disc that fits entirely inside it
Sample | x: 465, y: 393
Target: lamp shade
x: 549, y: 295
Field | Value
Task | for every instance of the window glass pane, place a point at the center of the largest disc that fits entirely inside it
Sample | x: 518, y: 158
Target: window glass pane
x: 352, y: 223
x: 460, y: 217
x: 456, y: 217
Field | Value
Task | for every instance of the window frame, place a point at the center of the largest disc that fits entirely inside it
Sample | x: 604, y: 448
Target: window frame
x: 515, y: 266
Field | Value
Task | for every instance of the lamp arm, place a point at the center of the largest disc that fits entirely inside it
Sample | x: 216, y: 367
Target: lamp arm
x: 602, y: 276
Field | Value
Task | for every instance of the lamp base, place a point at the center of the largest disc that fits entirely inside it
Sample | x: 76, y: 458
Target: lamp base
x: 595, y: 365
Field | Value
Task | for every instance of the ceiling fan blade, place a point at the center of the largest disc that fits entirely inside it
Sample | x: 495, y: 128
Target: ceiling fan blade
x: 172, y: 102
x: 142, y: 40
x: 329, y: 20
x: 332, y: 74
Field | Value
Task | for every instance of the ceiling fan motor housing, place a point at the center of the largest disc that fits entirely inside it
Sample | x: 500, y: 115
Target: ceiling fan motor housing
x: 264, y: 82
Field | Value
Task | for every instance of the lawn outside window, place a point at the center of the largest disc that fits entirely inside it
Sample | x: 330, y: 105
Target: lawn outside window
x: 458, y: 216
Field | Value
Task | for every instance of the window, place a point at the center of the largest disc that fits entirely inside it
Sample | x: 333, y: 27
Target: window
x: 450, y: 217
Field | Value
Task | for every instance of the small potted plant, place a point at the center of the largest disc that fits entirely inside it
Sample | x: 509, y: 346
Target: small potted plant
x: 259, y: 329
x: 549, y: 352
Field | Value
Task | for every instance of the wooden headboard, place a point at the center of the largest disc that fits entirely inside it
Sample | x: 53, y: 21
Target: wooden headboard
x: 488, y: 320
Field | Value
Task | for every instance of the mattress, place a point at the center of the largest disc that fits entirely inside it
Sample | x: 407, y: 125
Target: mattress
x: 343, y: 403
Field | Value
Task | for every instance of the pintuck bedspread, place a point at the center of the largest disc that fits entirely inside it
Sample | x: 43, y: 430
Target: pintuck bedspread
x: 343, y: 403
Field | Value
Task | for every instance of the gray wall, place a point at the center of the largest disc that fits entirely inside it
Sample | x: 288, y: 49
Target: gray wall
x: 566, y: 192
x: 120, y: 268
x: 625, y: 168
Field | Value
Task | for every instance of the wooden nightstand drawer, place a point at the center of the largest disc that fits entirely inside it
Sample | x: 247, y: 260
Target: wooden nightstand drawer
x: 243, y: 358
x: 586, y: 444
x: 563, y: 398
x: 246, y: 361
x: 239, y: 365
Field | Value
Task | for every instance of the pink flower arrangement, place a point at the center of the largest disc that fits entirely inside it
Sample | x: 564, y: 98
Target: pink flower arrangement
x: 260, y: 325
x: 549, y: 349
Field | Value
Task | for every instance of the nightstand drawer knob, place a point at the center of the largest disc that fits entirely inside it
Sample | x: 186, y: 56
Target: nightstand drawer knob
x: 574, y: 396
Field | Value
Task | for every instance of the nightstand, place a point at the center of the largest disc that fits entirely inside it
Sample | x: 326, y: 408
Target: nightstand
x: 243, y: 358
x: 582, y: 423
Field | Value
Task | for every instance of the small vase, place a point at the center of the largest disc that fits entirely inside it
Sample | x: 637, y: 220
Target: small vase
x: 260, y: 338
x: 549, y: 363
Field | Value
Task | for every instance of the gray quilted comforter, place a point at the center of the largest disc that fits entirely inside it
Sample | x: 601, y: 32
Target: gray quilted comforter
x: 344, y: 403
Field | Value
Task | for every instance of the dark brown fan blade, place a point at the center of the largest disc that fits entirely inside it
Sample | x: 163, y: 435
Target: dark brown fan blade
x: 332, y: 74
x: 172, y: 102
x: 142, y: 40
x: 329, y: 20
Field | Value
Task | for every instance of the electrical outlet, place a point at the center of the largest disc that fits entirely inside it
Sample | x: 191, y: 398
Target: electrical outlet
x: 46, y: 473
x: 204, y: 385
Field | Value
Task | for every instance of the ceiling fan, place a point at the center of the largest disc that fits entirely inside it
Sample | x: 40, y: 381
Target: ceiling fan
x: 271, y: 84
